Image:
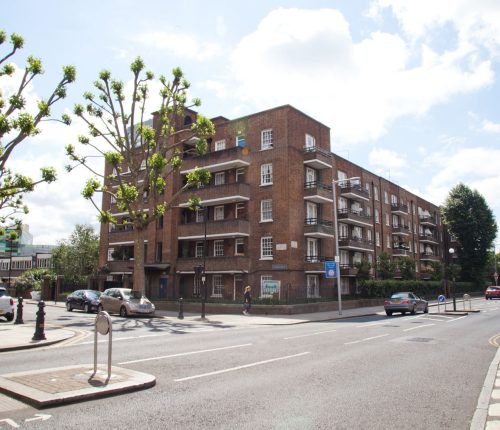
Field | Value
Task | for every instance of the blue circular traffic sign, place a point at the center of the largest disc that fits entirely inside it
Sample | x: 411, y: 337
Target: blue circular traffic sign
x: 441, y: 298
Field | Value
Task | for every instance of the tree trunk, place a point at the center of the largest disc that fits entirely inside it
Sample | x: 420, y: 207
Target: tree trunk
x: 139, y: 277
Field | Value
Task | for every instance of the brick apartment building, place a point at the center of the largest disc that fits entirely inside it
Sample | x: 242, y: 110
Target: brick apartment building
x: 267, y: 217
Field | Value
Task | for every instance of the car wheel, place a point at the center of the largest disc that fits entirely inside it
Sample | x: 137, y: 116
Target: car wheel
x: 123, y: 312
x: 9, y: 317
x: 403, y: 312
x: 99, y: 308
x: 68, y: 307
x: 426, y: 310
x: 86, y: 308
x: 388, y: 313
x: 413, y: 310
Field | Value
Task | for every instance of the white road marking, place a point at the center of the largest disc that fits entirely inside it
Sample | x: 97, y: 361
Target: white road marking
x: 309, y: 334
x: 456, y: 319
x: 371, y: 325
x: 181, y: 354
x: 232, y: 369
x: 365, y: 339
x: 433, y: 319
x: 419, y: 326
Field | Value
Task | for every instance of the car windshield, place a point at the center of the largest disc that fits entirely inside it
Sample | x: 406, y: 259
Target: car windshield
x: 3, y: 293
x: 132, y: 295
x: 93, y: 294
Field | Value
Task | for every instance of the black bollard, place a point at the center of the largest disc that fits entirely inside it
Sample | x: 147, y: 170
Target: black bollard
x: 40, y: 323
x: 181, y: 309
x: 19, y: 316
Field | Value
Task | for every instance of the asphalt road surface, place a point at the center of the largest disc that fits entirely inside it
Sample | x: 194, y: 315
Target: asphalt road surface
x: 419, y: 372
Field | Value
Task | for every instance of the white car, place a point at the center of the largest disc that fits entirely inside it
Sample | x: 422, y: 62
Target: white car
x: 6, y: 305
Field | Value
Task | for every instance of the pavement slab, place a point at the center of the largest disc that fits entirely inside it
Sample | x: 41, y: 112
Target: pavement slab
x: 56, y: 386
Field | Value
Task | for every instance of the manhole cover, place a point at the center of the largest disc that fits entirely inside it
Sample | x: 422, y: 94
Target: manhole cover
x: 419, y: 339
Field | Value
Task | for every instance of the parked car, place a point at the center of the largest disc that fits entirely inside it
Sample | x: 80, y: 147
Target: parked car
x: 492, y: 292
x: 86, y: 300
x: 125, y: 302
x: 6, y: 305
x: 405, y: 302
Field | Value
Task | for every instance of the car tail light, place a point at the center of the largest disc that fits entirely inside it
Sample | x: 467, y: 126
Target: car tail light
x: 405, y: 301
x: 387, y: 302
x: 11, y: 301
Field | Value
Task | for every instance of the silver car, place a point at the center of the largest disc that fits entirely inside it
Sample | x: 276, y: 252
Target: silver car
x: 125, y: 302
x: 405, y: 302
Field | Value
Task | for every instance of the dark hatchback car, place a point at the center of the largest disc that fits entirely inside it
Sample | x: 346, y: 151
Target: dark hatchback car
x: 492, y: 292
x: 405, y: 302
x: 85, y: 300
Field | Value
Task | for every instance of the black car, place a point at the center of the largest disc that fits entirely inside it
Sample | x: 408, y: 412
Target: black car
x: 86, y: 300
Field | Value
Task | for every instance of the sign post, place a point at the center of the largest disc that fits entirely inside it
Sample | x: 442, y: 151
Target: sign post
x: 331, y: 272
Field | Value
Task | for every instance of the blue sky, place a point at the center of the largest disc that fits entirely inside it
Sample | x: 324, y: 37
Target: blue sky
x: 409, y: 88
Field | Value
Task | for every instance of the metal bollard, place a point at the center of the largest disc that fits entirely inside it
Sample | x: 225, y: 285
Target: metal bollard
x: 19, y: 316
x: 181, y: 309
x: 40, y: 322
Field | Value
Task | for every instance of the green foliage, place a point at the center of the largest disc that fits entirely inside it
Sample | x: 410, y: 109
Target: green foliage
x: 406, y: 266
x: 17, y: 124
x: 32, y: 280
x: 77, y: 257
x: 428, y: 289
x: 385, y: 266
x: 471, y: 222
x: 364, y: 268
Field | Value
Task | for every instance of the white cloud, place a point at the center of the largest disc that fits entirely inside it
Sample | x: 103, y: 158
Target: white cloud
x: 308, y: 58
x: 490, y: 127
x: 180, y: 45
x: 387, y: 163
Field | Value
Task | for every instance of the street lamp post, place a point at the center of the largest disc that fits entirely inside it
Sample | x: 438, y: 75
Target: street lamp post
x: 337, y: 253
x: 495, y: 275
x: 203, y: 272
x: 452, y: 251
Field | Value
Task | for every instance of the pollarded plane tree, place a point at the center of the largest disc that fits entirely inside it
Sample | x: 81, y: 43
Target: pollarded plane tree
x: 141, y: 156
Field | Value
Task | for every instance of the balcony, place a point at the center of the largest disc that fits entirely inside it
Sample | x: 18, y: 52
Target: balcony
x: 231, y: 158
x: 401, y: 252
x: 399, y: 209
x: 348, y: 270
x: 218, y: 194
x: 225, y: 264
x: 429, y: 256
x: 428, y: 238
x: 401, y: 230
x: 355, y: 244
x: 315, y: 227
x: 427, y: 220
x: 229, y: 228
x: 353, y: 191
x: 318, y: 158
x: 358, y: 218
x: 317, y: 192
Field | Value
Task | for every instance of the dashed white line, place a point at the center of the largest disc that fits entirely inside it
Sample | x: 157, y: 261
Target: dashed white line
x: 419, y: 326
x: 456, y: 319
x: 365, y: 339
x: 309, y: 334
x: 185, y: 353
x: 244, y: 366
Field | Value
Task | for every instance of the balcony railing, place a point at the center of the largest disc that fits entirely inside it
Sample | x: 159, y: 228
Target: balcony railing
x: 429, y: 256
x: 318, y: 158
x: 399, y: 208
x: 214, y: 229
x: 316, y: 258
x: 427, y: 220
x: 354, y: 217
x: 353, y: 191
x: 428, y: 238
x: 214, y: 161
x: 401, y: 230
x: 317, y: 227
x: 318, y: 192
x: 219, y: 194
x: 348, y: 270
x: 355, y: 243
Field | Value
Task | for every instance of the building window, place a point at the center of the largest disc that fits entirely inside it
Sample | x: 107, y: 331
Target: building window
x: 240, y: 210
x: 388, y: 239
x: 311, y: 213
x: 159, y: 251
x: 367, y: 188
x: 341, y: 176
x: 218, y: 248
x: 310, y: 177
x: 200, y: 215
x: 377, y: 217
x: 219, y: 145
x: 387, y: 220
x: 394, y: 200
x: 386, y: 198
x: 241, y: 141
x: 110, y: 254
x: 218, y: 213
x: 113, y: 199
x: 312, y: 250
x: 310, y: 141
x: 312, y: 286
x: 395, y: 221
x: 239, y: 246
x: 217, y: 286
x: 220, y: 178
x: 343, y: 230
x: 375, y: 193
x: 377, y: 238
x: 266, y: 210
x: 240, y: 175
x: 197, y: 286
x: 263, y: 280
x: 369, y: 235
x: 200, y: 248
x: 267, y: 139
x: 266, y: 174
x: 266, y: 248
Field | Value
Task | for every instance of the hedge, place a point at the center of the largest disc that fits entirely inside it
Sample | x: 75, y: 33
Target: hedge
x: 427, y: 289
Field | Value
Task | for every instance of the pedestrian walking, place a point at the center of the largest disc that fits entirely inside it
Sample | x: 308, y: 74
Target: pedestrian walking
x: 247, y: 304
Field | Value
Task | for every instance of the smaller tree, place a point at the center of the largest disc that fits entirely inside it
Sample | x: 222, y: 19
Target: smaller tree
x: 77, y: 258
x: 385, y: 266
x: 32, y: 280
x: 364, y: 268
x: 407, y: 268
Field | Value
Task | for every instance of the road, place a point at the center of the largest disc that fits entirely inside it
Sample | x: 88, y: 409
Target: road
x: 422, y: 372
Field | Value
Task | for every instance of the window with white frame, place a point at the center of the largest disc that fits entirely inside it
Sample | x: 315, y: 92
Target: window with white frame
x: 357, y: 233
x: 310, y: 141
x: 196, y: 285
x: 110, y: 254
x: 312, y: 286
x: 377, y: 218
x: 375, y: 192
x: 219, y: 145
x: 394, y: 200
x: 239, y: 246
x: 367, y: 188
x: 199, y: 248
x: 342, y: 203
x: 200, y: 215
x: 386, y: 197
x: 377, y: 238
x: 218, y: 248
x: 266, y: 139
x: 369, y: 235
x: 388, y: 241
x: 4, y: 264
x: 344, y: 257
x: 240, y: 175
x: 220, y: 178
x: 387, y: 220
x: 266, y: 247
x: 357, y: 257
x: 343, y: 230
x: 370, y: 259
x: 266, y: 210
x: 368, y: 211
x: 217, y: 286
x: 266, y: 174
x: 311, y: 213
x: 341, y: 176
x: 218, y: 213
x: 310, y: 176
x: 239, y: 210
x: 395, y: 221
x: 312, y: 249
